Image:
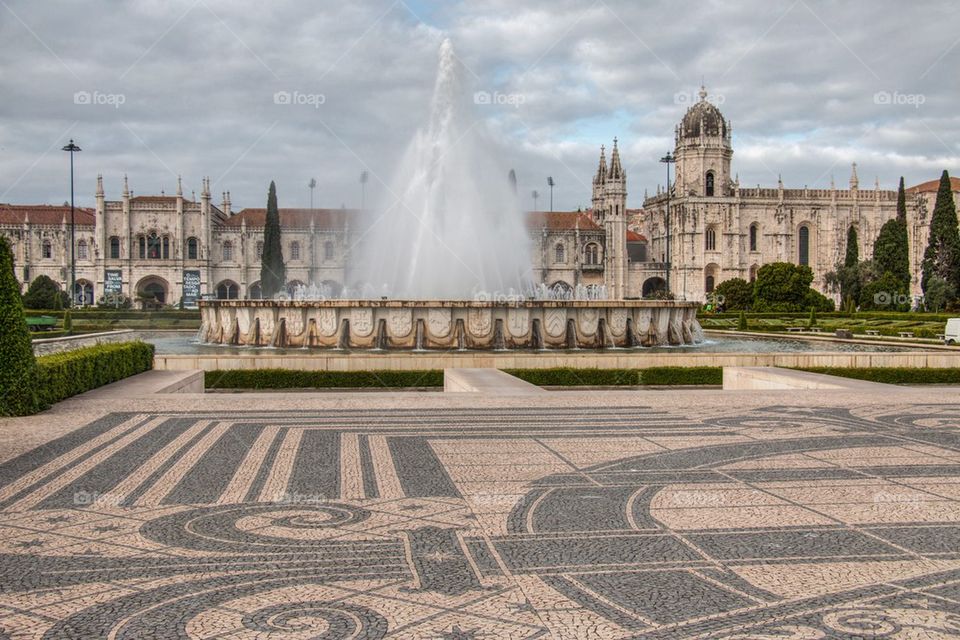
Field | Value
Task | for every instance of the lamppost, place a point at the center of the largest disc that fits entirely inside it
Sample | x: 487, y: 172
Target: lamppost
x: 312, y: 185
x: 364, y: 177
x: 668, y: 160
x: 72, y: 148
x: 550, y: 184
x: 535, y: 194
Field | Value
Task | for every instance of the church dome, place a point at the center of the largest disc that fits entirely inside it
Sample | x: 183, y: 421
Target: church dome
x: 706, y: 115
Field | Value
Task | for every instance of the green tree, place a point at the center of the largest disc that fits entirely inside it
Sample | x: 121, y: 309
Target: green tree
x: 781, y: 286
x: 891, y: 253
x: 849, y: 275
x: 938, y: 294
x: 273, y: 273
x: 886, y: 293
x: 742, y: 322
x: 44, y: 293
x: 942, y: 256
x: 737, y: 294
x: 18, y: 375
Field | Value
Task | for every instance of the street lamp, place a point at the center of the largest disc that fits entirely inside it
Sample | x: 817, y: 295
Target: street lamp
x: 535, y: 194
x: 312, y: 185
x: 550, y: 184
x: 72, y: 148
x: 364, y: 177
x: 668, y: 160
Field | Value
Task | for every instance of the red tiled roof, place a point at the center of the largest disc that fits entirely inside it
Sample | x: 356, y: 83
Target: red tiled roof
x: 43, y: 214
x: 933, y: 185
x: 633, y: 236
x: 560, y: 220
x: 294, y: 218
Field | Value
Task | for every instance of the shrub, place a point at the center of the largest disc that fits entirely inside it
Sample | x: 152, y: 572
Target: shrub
x: 893, y: 375
x: 62, y: 375
x: 568, y: 377
x: 742, y: 322
x: 67, y: 321
x: 817, y: 301
x: 18, y: 368
x: 737, y: 294
x: 296, y: 379
x: 44, y: 293
x: 782, y: 286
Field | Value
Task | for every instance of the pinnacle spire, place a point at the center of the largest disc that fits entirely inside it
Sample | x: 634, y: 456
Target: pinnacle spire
x: 126, y: 187
x: 616, y: 169
x: 99, y: 184
x: 179, y: 186
x: 602, y: 169
x: 854, y: 180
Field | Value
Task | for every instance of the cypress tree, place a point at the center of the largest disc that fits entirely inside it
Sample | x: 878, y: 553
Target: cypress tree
x: 849, y: 274
x: 852, y: 258
x: 272, y: 270
x: 891, y: 253
x: 942, y: 256
x: 18, y: 375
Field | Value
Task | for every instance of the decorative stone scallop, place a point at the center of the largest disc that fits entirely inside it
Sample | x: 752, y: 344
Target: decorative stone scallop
x: 438, y: 321
x: 361, y: 321
x: 479, y: 322
x: 294, y: 321
x: 266, y: 321
x: 587, y: 321
x: 555, y: 322
x: 400, y: 322
x: 326, y: 321
x: 617, y: 321
x: 518, y: 322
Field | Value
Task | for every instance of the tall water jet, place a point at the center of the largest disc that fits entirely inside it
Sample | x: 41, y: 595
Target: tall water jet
x: 450, y: 226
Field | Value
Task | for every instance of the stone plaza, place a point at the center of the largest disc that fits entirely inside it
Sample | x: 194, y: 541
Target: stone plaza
x: 600, y: 514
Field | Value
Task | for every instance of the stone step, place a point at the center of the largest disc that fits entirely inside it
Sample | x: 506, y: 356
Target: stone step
x: 487, y: 381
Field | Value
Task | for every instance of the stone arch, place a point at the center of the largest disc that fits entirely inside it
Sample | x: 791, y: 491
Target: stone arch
x: 653, y: 286
x: 154, y: 288
x: 711, y: 277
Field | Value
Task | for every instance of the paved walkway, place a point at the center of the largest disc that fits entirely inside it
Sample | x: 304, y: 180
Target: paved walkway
x: 826, y: 514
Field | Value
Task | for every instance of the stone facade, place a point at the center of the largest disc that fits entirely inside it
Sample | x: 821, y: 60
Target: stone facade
x: 721, y: 230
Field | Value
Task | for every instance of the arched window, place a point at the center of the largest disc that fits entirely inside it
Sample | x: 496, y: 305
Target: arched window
x: 753, y: 273
x: 227, y: 251
x: 142, y: 244
x: 192, y: 249
x: 709, y: 183
x: 709, y: 284
x: 294, y: 250
x: 711, y: 239
x: 754, y: 232
x: 559, y: 253
x: 803, y: 242
x: 591, y: 254
x: 227, y: 290
x: 328, y: 250
x: 46, y: 250
x: 153, y: 247
x: 115, y: 247
x: 166, y: 248
x: 260, y: 251
x: 254, y: 291
x: 82, y: 250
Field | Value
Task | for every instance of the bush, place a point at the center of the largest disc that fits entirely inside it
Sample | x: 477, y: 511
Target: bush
x: 18, y: 368
x: 62, y: 375
x: 67, y: 321
x: 884, y: 294
x: 737, y: 294
x: 742, y: 322
x: 893, y: 375
x: 295, y: 379
x: 44, y: 293
x: 816, y: 301
x: 568, y: 377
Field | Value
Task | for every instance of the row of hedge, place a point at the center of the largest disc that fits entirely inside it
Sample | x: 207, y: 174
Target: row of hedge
x: 294, y: 379
x: 120, y: 314
x: 893, y: 375
x: 860, y: 315
x: 569, y: 377
x: 61, y: 375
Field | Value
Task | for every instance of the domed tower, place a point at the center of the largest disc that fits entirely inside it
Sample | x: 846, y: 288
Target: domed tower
x: 703, y: 151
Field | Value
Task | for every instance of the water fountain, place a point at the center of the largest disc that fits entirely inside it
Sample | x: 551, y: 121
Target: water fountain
x: 445, y: 264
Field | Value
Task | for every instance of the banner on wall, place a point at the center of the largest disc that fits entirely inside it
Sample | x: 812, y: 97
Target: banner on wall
x: 191, y: 287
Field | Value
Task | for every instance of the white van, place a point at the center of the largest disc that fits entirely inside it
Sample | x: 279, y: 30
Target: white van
x: 951, y: 335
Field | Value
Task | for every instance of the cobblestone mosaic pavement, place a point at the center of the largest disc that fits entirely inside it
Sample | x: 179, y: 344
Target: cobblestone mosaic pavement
x: 458, y: 523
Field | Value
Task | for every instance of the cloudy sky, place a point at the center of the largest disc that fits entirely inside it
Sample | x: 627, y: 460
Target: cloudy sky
x: 246, y: 92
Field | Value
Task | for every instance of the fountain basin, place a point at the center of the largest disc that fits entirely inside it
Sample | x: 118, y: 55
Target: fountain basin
x: 448, y: 324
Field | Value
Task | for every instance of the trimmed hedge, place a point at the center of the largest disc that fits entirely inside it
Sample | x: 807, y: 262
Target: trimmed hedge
x: 893, y: 375
x: 569, y: 377
x: 294, y: 379
x: 66, y: 374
